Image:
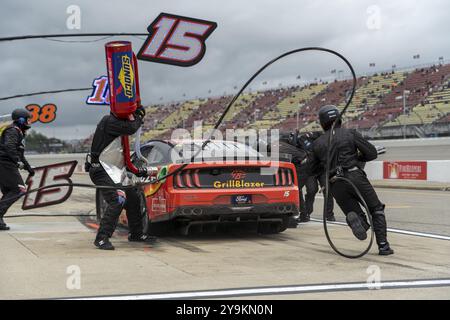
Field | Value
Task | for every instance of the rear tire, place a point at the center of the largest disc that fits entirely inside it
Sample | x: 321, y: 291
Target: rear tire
x: 144, y: 213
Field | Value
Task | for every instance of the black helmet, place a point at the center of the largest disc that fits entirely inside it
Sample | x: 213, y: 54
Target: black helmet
x: 292, y: 139
x: 20, y: 117
x: 327, y: 115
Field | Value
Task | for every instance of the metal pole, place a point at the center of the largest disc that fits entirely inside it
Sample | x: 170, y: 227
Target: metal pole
x: 404, y: 102
x: 297, y: 117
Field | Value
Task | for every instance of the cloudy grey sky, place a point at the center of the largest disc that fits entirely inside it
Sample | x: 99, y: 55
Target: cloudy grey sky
x: 249, y: 34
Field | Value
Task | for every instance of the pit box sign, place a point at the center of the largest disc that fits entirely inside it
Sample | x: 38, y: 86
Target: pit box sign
x: 405, y: 170
x: 176, y: 40
x: 44, y: 114
x: 57, y: 175
x: 100, y: 92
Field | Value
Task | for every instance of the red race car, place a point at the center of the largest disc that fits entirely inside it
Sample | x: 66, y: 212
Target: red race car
x: 229, y: 182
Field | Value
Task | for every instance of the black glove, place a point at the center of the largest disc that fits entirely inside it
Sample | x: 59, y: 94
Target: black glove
x: 31, y: 172
x: 29, y: 169
x: 142, y: 172
x: 140, y: 113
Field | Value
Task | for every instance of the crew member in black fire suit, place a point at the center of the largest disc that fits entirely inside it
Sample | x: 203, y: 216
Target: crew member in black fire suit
x: 289, y: 151
x: 305, y: 142
x: 12, y: 148
x: 348, y: 150
x: 109, y: 129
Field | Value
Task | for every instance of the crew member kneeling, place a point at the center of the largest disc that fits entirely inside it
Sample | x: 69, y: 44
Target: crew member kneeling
x: 12, y: 148
x: 348, y: 150
x: 109, y: 129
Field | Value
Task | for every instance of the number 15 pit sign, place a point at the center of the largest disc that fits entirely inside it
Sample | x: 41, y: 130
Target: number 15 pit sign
x: 173, y: 40
x: 176, y: 40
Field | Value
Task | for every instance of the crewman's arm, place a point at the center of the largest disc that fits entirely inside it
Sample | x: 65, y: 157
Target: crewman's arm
x: 367, y: 151
x: 119, y: 127
x: 315, y: 164
x: 12, y: 139
x: 26, y: 164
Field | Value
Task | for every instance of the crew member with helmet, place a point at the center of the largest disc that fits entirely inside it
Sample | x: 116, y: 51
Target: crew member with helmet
x: 109, y: 130
x: 347, y: 150
x: 12, y: 158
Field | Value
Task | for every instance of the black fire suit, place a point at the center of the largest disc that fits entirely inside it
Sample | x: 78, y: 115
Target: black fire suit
x: 348, y: 150
x: 311, y: 184
x: 12, y: 149
x: 289, y: 152
x: 108, y: 129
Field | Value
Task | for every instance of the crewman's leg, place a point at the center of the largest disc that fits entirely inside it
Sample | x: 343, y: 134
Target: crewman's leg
x: 12, y: 187
x: 376, y: 208
x: 348, y: 202
x: 312, y: 188
x: 115, y: 200
x: 330, y: 202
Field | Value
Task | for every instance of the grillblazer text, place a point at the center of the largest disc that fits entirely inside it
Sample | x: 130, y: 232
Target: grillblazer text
x: 237, y: 184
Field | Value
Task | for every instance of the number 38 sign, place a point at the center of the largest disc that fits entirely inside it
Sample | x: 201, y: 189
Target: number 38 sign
x: 44, y: 114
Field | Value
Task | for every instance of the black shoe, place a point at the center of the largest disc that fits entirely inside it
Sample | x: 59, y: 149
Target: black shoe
x: 385, y: 249
x: 103, y: 243
x: 355, y: 224
x: 3, y: 225
x: 303, y: 218
x: 141, y: 238
x: 331, y: 218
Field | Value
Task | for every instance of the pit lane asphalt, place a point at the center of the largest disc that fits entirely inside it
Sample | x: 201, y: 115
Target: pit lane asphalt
x: 37, y: 252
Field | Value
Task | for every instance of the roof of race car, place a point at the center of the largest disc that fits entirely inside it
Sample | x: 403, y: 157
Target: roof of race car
x: 214, y: 149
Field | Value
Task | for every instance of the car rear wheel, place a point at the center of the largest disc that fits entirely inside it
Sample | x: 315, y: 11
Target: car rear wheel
x: 144, y: 214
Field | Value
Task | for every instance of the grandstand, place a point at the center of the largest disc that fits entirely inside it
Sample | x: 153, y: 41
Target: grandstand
x: 383, y: 106
x: 288, y: 106
x: 370, y: 91
x: 416, y: 86
x: 434, y: 107
x: 305, y: 120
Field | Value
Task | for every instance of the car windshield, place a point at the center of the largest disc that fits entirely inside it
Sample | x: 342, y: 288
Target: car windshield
x: 215, y: 151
